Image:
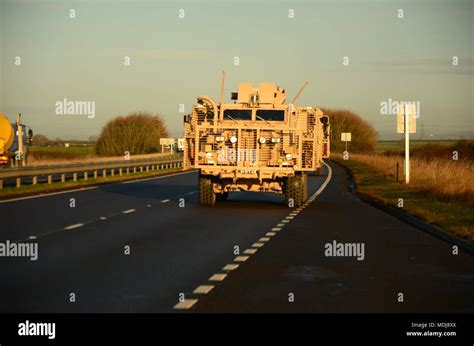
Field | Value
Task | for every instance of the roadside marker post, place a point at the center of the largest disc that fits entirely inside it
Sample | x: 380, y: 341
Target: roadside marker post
x: 407, y: 148
x: 406, y: 123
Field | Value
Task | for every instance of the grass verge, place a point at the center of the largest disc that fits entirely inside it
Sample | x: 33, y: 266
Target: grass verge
x: 454, y: 216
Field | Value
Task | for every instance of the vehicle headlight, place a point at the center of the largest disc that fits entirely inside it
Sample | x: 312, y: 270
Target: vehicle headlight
x: 288, y: 157
x: 275, y: 140
x: 262, y: 140
x: 209, y: 155
x: 233, y: 139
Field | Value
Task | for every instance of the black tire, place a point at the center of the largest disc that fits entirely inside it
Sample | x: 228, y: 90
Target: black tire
x: 206, y: 192
x: 222, y: 196
x: 304, y: 186
x: 294, y: 190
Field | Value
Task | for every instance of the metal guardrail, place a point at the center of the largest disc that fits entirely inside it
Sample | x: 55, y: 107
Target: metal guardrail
x: 121, y: 167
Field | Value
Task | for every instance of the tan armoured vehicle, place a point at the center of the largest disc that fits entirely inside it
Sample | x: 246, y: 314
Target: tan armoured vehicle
x: 257, y: 143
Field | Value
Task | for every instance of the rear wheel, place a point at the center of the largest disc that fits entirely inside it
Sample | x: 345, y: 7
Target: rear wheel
x: 304, y: 186
x: 294, y: 191
x: 206, y: 191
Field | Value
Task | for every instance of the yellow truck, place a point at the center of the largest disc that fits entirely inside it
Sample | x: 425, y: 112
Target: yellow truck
x: 258, y: 143
x: 14, y: 141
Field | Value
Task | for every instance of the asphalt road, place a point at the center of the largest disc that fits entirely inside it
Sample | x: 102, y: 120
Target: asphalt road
x: 175, y: 249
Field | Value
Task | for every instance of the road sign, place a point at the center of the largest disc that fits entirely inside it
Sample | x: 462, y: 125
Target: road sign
x: 345, y: 137
x: 167, y: 141
x: 410, y: 109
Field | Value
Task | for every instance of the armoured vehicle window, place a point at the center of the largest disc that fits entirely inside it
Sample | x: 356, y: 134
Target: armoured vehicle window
x: 270, y: 114
x: 237, y: 114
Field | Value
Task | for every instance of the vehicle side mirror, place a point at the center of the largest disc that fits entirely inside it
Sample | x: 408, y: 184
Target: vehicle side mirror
x: 30, y: 135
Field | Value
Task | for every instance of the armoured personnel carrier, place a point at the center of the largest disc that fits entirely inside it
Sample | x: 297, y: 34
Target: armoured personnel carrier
x: 257, y: 143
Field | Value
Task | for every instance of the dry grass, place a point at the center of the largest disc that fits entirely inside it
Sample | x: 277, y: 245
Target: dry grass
x: 445, y: 179
x: 440, y: 192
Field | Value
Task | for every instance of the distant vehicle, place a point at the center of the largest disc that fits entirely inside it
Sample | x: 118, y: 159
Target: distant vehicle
x: 259, y: 143
x: 180, y: 144
x: 14, y: 141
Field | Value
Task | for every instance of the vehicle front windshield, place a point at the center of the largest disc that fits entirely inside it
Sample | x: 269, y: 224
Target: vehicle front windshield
x: 237, y: 114
x: 270, y: 115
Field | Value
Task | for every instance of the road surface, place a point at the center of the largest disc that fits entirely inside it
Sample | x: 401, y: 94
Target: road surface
x: 134, y: 247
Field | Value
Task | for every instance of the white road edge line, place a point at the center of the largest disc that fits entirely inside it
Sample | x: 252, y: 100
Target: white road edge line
x: 152, y: 178
x: 326, y: 182
x: 89, y: 188
x: 48, y: 194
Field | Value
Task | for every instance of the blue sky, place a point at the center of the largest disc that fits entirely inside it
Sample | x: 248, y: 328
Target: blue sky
x: 174, y: 60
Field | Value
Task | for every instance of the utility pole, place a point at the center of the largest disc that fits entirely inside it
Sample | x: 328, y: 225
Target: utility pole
x: 407, y: 146
x: 422, y: 131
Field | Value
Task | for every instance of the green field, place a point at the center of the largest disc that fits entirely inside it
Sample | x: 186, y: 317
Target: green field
x: 52, y: 153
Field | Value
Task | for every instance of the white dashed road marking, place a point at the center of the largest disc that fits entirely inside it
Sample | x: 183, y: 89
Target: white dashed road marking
x: 230, y: 267
x: 128, y: 211
x: 241, y: 258
x: 218, y: 277
x: 76, y: 225
x: 185, y: 304
x: 203, y: 289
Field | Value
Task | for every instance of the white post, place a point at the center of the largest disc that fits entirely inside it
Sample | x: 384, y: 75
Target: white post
x: 407, y: 147
x: 19, y: 133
